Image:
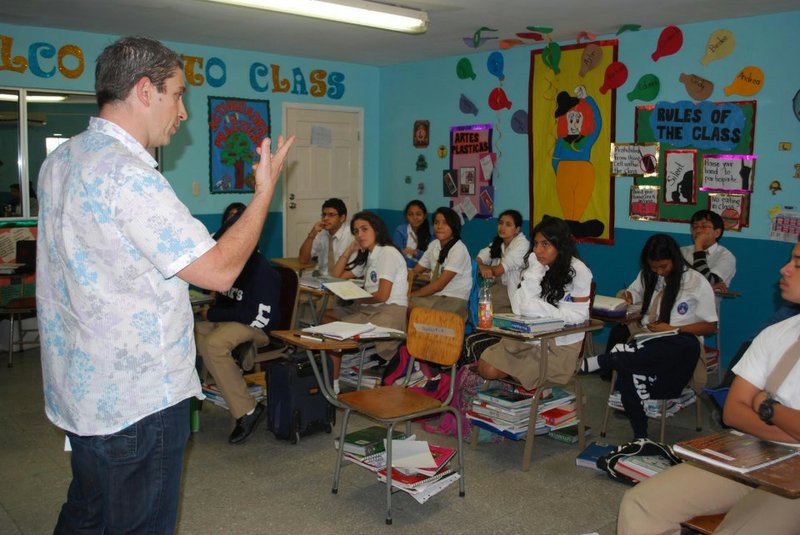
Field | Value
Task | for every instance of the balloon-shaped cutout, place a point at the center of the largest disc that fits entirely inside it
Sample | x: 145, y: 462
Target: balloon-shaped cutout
x: 551, y: 56
x: 796, y: 105
x: 616, y: 75
x: 698, y: 88
x: 470, y: 42
x: 629, y: 28
x: 467, y: 106
x: 464, y: 69
x: 646, y: 89
x: 669, y: 42
x: 505, y: 44
x: 519, y: 122
x: 536, y: 36
x: 476, y: 37
x: 589, y: 36
x: 540, y: 29
x: 498, y: 99
x: 747, y: 83
x: 720, y: 44
x: 591, y: 58
x: 495, y: 65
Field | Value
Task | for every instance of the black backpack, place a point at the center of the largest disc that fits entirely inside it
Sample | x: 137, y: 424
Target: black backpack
x: 642, y: 447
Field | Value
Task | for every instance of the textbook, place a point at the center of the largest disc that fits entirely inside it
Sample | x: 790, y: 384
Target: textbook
x: 524, y: 324
x: 559, y: 415
x: 646, y: 336
x: 568, y: 435
x: 588, y: 457
x: 441, y: 456
x: 339, y: 330
x: 347, y: 290
x: 367, y: 441
x: 411, y: 481
x: 504, y: 398
x: 641, y: 467
x: 613, y: 307
x: 734, y: 450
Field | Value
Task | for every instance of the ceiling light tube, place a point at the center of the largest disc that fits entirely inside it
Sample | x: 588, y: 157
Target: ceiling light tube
x: 360, y: 12
x: 32, y: 98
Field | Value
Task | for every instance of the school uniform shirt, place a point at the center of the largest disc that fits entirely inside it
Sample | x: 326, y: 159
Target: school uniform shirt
x: 385, y: 262
x: 764, y: 354
x: 527, y: 300
x: 718, y: 259
x: 341, y: 241
x: 694, y: 302
x: 457, y: 261
x: 512, y: 258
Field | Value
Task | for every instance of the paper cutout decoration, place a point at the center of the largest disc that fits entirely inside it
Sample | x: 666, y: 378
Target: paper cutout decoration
x: 470, y: 42
x: 442, y: 151
x: 495, y: 65
x: 422, y: 163
x: 519, y: 122
x: 586, y: 35
x: 536, y: 36
x: 646, y: 89
x: 720, y: 44
x: 616, y: 75
x: 421, y: 135
x: 505, y: 44
x: 669, y: 42
x: 747, y: 83
x: 407, y: 180
x: 775, y: 187
x: 698, y: 88
x: 498, y: 99
x: 464, y: 69
x: 540, y: 29
x: 629, y: 28
x: 551, y: 56
x: 477, y: 40
x: 420, y: 188
x: 466, y: 105
x: 796, y: 105
x: 591, y: 58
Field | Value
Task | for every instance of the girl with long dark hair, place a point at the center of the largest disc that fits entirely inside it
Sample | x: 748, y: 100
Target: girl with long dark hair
x: 555, y: 283
x: 413, y: 236
x: 502, y: 260
x: 674, y: 297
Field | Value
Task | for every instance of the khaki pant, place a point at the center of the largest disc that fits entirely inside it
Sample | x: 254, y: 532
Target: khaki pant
x: 215, y: 341
x: 658, y: 505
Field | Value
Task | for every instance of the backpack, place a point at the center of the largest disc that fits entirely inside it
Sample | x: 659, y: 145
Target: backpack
x: 639, y: 447
x: 467, y: 385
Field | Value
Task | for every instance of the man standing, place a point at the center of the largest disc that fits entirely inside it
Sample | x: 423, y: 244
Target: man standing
x: 706, y: 255
x: 116, y: 251
x: 328, y: 235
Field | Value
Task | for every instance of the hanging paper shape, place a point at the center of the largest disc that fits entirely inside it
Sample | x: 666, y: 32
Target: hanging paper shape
x: 747, y: 83
x: 464, y: 69
x: 775, y: 187
x: 495, y: 65
x: 796, y: 105
x: 540, y: 29
x: 422, y: 163
x: 629, y: 28
x: 442, y: 151
x: 536, y: 36
x: 467, y: 106
x: 470, y: 42
x: 519, y: 122
x: 669, y: 42
x: 551, y: 56
x: 698, y: 88
x: 616, y: 75
x: 586, y: 35
x: 591, y: 58
x: 646, y: 89
x: 477, y: 40
x: 720, y: 44
x: 498, y: 99
x: 420, y: 188
x: 505, y: 44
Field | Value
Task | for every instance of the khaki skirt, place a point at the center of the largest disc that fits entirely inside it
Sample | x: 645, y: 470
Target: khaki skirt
x: 520, y: 360
x: 391, y: 316
x: 441, y: 302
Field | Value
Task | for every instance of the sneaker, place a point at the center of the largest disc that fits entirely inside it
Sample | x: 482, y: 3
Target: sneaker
x: 247, y: 424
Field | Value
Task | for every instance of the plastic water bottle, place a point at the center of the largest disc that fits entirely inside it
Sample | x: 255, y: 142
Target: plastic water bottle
x: 485, y: 309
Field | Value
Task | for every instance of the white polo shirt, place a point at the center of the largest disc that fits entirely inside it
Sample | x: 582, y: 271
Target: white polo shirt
x: 385, y: 262
x: 512, y: 258
x: 457, y: 261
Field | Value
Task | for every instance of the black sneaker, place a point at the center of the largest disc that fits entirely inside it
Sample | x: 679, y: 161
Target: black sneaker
x: 247, y: 424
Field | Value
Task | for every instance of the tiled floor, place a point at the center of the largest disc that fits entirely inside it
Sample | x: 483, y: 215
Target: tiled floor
x: 269, y: 486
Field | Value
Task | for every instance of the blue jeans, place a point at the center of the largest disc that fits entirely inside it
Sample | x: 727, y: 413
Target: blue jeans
x: 129, y: 481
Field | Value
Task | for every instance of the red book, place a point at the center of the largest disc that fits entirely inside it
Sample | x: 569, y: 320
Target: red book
x: 558, y: 415
x: 441, y: 455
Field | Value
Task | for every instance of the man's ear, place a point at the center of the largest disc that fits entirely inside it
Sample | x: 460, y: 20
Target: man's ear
x: 143, y: 89
x: 717, y: 233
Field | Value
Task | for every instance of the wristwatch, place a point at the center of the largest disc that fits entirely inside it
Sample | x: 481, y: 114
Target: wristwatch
x: 766, y: 410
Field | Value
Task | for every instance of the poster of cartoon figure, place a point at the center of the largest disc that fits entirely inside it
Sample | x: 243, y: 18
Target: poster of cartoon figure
x: 572, y: 128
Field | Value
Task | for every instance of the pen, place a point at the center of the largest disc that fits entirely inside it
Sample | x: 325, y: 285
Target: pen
x: 309, y: 337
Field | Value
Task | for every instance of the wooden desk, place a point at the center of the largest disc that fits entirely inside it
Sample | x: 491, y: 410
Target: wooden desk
x: 781, y: 478
x: 294, y: 263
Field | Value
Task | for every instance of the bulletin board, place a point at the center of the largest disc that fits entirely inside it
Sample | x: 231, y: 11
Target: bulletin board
x: 468, y: 182
x: 690, y: 134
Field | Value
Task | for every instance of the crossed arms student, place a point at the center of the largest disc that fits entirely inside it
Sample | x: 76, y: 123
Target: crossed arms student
x: 716, y: 263
x: 659, y: 504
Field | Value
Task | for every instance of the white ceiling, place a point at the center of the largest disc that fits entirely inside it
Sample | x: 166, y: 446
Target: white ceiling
x: 201, y: 22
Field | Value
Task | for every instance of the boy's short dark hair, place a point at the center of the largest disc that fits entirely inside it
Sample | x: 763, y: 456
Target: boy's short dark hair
x: 709, y: 215
x: 336, y: 204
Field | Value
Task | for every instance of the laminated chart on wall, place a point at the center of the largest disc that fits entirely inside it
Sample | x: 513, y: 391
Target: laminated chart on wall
x: 469, y: 181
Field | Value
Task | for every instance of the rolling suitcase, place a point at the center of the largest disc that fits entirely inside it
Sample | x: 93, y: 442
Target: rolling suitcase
x: 295, y: 404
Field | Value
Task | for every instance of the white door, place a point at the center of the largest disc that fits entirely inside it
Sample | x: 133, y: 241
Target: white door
x: 325, y: 162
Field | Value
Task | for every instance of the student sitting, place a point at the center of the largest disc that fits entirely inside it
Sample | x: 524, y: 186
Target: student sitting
x: 661, y: 503
x: 554, y: 283
x: 706, y: 255
x: 373, y: 256
x: 673, y: 296
x: 503, y: 259
x: 450, y: 265
x: 413, y: 237
x: 328, y: 238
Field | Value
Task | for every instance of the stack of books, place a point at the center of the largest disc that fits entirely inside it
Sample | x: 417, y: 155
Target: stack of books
x: 524, y: 324
x: 507, y: 413
x: 652, y: 407
x: 256, y: 385
x: 641, y: 467
x: 368, y: 441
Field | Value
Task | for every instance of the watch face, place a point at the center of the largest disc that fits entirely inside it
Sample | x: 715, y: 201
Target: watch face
x: 766, y: 411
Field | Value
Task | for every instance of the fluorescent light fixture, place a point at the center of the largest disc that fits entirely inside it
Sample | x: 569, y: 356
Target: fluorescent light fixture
x: 32, y: 98
x: 360, y: 12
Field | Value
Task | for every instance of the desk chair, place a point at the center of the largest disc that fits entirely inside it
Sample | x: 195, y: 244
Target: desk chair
x: 434, y: 336
x: 17, y: 309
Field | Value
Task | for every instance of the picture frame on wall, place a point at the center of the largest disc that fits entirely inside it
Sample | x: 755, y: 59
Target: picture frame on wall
x: 680, y: 176
x: 731, y: 207
x: 467, y: 180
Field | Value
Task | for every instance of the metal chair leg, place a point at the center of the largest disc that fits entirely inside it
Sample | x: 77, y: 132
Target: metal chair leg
x: 340, y: 452
x: 11, y: 340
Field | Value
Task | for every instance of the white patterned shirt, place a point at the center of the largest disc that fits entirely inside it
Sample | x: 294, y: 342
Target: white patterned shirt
x: 115, y: 321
